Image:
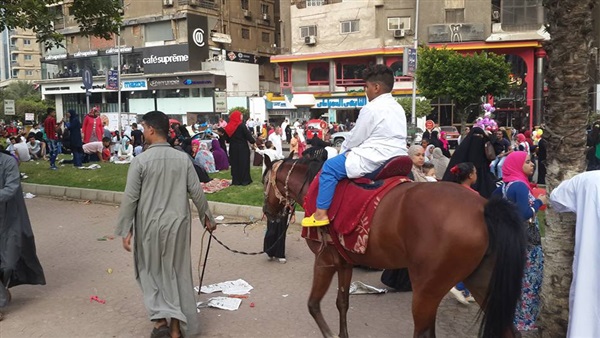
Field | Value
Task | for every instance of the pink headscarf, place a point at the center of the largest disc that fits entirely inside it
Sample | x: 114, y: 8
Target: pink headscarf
x: 512, y: 170
x: 444, y: 140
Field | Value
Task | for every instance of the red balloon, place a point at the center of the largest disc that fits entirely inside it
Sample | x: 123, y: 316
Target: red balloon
x: 537, y: 192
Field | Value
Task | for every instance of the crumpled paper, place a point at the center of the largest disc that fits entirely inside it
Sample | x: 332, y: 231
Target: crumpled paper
x: 225, y: 303
x: 360, y: 288
x: 236, y: 287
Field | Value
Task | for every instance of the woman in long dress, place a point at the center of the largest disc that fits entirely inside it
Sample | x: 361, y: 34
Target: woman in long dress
x: 221, y: 160
x: 239, y: 152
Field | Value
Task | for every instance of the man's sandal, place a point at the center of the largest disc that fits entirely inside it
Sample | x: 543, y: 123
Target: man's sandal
x: 161, y: 332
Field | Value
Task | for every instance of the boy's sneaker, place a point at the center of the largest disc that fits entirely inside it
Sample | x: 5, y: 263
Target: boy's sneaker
x: 459, y: 296
x: 53, y: 168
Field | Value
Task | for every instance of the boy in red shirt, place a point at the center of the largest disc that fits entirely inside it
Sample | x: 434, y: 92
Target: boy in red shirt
x: 50, y: 127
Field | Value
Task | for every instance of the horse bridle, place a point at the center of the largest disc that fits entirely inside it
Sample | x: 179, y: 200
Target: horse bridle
x: 272, y: 181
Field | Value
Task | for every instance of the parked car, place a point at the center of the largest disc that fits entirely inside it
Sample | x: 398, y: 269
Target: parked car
x: 452, y: 135
x: 338, y: 138
x: 415, y: 135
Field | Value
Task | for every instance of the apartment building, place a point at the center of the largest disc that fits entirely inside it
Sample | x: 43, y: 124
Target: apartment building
x: 178, y: 56
x: 332, y: 41
x: 19, y: 56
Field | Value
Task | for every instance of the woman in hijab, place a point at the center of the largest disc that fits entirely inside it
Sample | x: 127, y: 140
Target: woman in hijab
x: 429, y: 152
x: 239, y: 153
x: 522, y: 144
x: 445, y: 145
x: 417, y: 155
x: 472, y: 149
x: 125, y: 152
x: 221, y: 160
x: 440, y: 163
x: 516, y: 188
x: 205, y: 158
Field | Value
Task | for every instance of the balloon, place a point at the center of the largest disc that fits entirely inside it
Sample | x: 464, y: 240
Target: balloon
x: 487, y: 106
x: 487, y: 114
x: 493, y: 109
x: 486, y: 121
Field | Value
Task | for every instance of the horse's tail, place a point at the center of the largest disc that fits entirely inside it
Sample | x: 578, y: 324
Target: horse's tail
x: 508, y: 245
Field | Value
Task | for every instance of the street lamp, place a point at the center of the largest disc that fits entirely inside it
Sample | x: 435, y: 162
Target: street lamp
x: 413, y: 117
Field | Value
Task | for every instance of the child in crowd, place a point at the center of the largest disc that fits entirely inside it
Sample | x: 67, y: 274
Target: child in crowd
x: 464, y: 174
x: 269, y: 151
x: 429, y: 170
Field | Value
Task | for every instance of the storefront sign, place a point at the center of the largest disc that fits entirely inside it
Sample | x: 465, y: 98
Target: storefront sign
x: 166, y: 59
x: 245, y: 57
x: 124, y: 49
x: 134, y: 84
x: 86, y: 54
x: 281, y: 105
x: 9, y: 107
x: 198, y: 34
x: 164, y: 83
x: 456, y: 32
x: 342, y: 102
x: 409, y: 61
x: 55, y: 57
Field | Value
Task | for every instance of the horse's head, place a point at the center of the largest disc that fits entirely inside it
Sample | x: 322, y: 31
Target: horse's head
x: 285, y: 183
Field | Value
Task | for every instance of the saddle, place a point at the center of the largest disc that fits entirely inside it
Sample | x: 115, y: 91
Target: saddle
x: 354, y: 203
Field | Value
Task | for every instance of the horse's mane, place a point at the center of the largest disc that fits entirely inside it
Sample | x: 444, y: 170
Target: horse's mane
x: 313, y: 166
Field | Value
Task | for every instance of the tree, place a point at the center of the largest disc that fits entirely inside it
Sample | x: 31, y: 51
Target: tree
x: 463, y: 78
x: 27, y: 100
x: 95, y: 17
x: 423, y: 106
x: 565, y: 121
x: 243, y: 110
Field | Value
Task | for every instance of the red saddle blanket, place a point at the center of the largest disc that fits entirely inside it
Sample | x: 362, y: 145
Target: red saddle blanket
x: 351, y: 211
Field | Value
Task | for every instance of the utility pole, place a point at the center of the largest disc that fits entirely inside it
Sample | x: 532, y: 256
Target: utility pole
x: 413, y: 117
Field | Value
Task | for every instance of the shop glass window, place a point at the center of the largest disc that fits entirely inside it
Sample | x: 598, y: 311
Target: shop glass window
x: 318, y: 73
x: 350, y: 74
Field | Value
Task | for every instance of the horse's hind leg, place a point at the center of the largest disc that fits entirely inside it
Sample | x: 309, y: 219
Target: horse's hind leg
x: 343, y: 296
x: 424, y: 308
x: 322, y: 276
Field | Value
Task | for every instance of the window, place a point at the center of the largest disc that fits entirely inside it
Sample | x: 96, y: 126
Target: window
x: 349, y: 73
x: 318, y: 73
x: 308, y: 31
x: 286, y: 75
x: 224, y: 29
x: 26, y: 42
x: 159, y: 31
x: 245, y: 4
x: 399, y: 22
x: 245, y: 33
x: 28, y: 57
x: 522, y: 12
x: 15, y: 73
x: 266, y: 37
x: 29, y: 72
x: 311, y: 3
x: 456, y: 15
x: 349, y: 26
x: 13, y: 57
x: 264, y: 9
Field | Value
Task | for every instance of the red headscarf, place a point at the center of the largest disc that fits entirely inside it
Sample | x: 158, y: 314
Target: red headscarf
x: 521, y: 138
x: 512, y: 170
x: 235, y: 119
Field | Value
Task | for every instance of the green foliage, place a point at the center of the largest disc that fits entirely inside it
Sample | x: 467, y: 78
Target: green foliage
x: 423, y: 107
x: 113, y: 177
x: 245, y: 112
x: 463, y: 78
x: 95, y: 17
x: 27, y: 100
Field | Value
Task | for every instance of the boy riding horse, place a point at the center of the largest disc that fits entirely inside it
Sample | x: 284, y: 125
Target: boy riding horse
x: 379, y: 134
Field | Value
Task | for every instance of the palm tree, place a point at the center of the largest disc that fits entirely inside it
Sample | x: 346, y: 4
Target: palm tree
x: 568, y: 77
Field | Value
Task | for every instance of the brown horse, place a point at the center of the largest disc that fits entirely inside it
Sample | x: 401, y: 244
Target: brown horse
x: 463, y: 238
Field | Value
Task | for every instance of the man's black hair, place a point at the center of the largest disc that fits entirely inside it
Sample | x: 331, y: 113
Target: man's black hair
x: 50, y: 110
x: 134, y: 125
x: 381, y: 74
x: 159, y: 121
x: 105, y: 139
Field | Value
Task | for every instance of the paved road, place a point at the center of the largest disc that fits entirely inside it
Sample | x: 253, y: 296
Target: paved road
x: 76, y: 265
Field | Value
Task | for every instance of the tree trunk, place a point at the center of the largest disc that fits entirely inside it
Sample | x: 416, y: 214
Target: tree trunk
x: 567, y: 109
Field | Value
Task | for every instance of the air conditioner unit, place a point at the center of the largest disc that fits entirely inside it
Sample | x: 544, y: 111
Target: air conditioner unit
x: 167, y: 2
x: 496, y: 15
x: 399, y: 33
x: 266, y: 17
x: 247, y: 13
x: 310, y: 40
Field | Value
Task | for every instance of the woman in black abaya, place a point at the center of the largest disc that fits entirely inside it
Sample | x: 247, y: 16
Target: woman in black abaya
x: 472, y: 149
x: 239, y: 153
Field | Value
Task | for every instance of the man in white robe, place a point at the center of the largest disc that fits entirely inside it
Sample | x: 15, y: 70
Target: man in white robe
x: 155, y: 211
x: 581, y: 195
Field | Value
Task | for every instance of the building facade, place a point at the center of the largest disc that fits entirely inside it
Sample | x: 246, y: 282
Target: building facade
x: 19, y: 56
x: 333, y: 40
x: 178, y: 56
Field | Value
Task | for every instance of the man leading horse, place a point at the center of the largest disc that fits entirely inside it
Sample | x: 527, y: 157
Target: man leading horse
x: 379, y: 134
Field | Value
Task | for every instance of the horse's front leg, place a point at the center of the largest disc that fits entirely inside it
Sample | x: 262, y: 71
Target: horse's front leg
x: 343, y: 296
x: 322, y: 276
